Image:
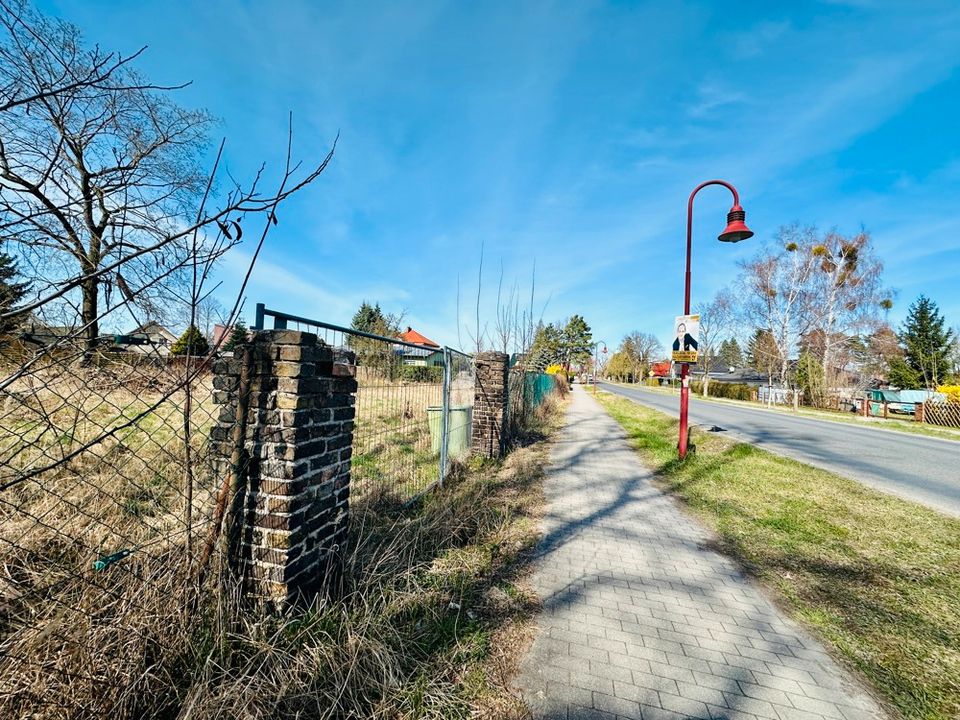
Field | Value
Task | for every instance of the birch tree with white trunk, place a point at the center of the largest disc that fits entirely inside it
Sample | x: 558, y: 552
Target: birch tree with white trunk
x: 775, y: 287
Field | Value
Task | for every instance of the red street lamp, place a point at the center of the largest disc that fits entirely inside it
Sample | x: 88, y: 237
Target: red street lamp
x: 735, y: 231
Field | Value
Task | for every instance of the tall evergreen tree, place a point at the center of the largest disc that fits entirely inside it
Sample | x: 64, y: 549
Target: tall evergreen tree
x: 545, y: 349
x: 10, y: 292
x: 576, y: 346
x: 764, y: 353
x: 369, y: 318
x: 372, y: 353
x: 810, y: 378
x: 238, y: 336
x: 730, y: 353
x: 191, y: 342
x: 927, y: 342
x: 901, y: 375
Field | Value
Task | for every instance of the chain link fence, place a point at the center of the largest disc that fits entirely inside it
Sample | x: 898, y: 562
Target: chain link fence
x: 105, y: 488
x: 109, y: 495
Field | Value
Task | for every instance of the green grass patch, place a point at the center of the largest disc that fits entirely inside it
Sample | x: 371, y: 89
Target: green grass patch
x: 876, y: 576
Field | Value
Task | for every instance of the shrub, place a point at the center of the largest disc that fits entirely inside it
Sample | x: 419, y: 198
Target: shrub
x: 192, y: 341
x: 951, y: 391
x: 652, y: 382
x: 562, y: 385
x: 731, y: 391
x: 421, y: 373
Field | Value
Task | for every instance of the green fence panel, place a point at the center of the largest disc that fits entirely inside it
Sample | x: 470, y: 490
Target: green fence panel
x: 538, y: 386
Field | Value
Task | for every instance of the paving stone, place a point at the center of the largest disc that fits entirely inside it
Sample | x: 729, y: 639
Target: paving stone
x: 618, y: 706
x: 641, y: 621
x: 577, y: 712
x: 636, y: 693
x: 685, y: 706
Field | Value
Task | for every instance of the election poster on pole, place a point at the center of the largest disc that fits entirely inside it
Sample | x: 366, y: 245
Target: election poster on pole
x: 686, y: 340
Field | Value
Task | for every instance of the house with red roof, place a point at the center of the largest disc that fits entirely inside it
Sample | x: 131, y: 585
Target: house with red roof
x: 427, y: 353
x: 412, y: 336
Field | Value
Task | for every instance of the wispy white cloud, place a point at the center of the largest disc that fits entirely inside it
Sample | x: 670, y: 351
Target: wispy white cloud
x: 713, y: 96
x: 754, y: 41
x: 568, y: 134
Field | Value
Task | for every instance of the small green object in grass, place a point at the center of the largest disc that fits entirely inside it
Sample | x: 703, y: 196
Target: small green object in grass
x: 107, y: 560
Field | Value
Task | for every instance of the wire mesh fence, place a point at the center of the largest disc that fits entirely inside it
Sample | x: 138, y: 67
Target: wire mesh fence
x: 109, y: 494
x: 105, y: 486
x: 413, y: 407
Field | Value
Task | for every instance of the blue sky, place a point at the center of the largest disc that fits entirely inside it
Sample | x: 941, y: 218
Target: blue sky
x: 567, y: 134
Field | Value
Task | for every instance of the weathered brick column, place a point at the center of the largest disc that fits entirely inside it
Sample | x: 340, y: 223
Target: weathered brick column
x: 290, y: 510
x: 490, y: 403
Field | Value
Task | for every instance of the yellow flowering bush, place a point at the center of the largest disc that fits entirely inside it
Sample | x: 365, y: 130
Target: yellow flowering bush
x: 951, y: 391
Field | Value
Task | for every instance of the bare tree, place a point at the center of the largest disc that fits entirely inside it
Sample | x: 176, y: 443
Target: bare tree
x: 101, y: 189
x: 507, y: 322
x: 101, y: 73
x: 847, y: 295
x: 208, y: 312
x: 642, y: 349
x: 776, y: 289
x: 514, y: 327
x: 716, y: 318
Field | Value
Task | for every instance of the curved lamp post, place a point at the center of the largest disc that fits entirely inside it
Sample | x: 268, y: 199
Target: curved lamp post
x: 596, y: 365
x: 735, y: 231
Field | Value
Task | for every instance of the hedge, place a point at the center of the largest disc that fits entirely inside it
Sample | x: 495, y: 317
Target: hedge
x: 732, y: 391
x: 421, y: 373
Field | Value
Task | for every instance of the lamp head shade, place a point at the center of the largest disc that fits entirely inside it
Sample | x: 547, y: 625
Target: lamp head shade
x: 736, y: 229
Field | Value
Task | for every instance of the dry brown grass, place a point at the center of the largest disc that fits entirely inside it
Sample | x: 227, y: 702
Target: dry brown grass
x: 430, y: 586
x: 126, y: 491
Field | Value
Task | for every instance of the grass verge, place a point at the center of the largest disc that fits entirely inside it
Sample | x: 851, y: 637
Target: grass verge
x: 893, y: 423
x: 877, y: 577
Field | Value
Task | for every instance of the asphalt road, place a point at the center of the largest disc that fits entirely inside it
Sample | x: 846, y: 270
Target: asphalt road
x: 916, y: 467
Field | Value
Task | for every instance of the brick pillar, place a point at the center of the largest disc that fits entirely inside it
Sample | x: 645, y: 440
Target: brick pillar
x: 490, y: 403
x: 289, y: 515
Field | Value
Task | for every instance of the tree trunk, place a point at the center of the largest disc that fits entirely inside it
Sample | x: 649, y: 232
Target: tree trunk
x: 91, y: 326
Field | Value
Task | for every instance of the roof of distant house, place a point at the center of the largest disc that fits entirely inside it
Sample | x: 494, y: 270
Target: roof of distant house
x: 152, y: 327
x: 412, y: 336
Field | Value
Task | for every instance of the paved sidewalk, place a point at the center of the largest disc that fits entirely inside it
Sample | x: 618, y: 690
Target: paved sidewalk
x: 640, y: 620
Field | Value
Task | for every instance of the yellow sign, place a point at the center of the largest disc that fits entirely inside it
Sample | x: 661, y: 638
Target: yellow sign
x: 686, y: 342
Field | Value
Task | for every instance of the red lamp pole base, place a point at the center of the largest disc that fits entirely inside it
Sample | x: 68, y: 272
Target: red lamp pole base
x: 684, y: 405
